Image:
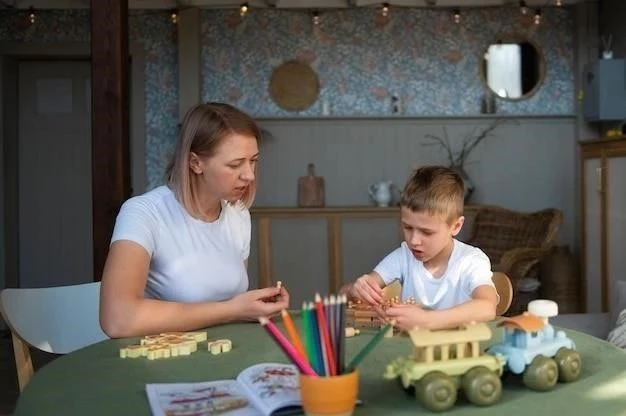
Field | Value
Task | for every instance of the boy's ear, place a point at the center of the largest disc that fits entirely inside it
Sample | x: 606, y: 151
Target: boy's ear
x: 457, y: 225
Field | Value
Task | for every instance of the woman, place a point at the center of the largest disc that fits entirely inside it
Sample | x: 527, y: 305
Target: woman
x: 178, y: 255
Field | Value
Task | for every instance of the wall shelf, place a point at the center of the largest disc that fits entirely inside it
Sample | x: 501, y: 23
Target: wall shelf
x: 417, y: 118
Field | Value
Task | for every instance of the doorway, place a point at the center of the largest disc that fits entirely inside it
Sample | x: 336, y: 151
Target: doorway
x: 54, y: 173
x: 47, y: 174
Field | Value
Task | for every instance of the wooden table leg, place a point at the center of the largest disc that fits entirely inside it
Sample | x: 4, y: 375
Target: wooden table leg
x: 334, y: 253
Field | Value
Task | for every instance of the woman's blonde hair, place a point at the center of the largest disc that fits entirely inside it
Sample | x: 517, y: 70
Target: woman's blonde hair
x: 204, y: 127
x: 436, y: 190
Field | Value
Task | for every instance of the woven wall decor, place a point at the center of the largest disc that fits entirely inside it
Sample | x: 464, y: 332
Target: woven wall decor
x: 294, y: 86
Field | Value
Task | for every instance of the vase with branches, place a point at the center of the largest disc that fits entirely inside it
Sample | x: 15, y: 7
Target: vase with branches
x: 458, y: 158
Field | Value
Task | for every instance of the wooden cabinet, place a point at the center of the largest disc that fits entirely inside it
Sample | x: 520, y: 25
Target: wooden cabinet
x: 603, y: 177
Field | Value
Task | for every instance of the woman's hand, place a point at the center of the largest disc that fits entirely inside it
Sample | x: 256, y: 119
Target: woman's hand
x: 252, y: 304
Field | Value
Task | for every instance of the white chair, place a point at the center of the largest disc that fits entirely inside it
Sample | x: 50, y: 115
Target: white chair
x: 57, y: 320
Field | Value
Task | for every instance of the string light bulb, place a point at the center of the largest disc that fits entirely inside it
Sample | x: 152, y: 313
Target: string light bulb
x: 537, y: 17
x: 456, y: 15
x: 558, y: 3
x: 385, y: 9
x: 174, y: 16
x: 243, y: 9
x: 316, y: 18
x: 523, y: 8
x: 31, y: 15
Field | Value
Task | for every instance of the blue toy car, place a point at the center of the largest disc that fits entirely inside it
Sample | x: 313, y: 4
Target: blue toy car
x: 532, y: 347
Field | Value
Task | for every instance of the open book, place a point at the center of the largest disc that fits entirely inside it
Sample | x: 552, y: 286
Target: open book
x: 260, y: 390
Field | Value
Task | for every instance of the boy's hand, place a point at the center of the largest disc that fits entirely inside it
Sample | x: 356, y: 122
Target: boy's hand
x: 408, y: 317
x: 367, y: 288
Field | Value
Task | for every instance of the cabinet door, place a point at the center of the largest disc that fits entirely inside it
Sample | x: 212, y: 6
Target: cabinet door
x: 592, y: 230
x: 616, y: 223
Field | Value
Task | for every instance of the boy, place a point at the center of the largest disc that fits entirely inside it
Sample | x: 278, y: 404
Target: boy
x: 449, y: 280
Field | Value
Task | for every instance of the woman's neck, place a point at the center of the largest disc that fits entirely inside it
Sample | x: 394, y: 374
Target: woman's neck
x: 208, y: 208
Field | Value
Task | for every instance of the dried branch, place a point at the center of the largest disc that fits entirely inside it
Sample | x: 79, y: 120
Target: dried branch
x: 443, y: 143
x: 469, y: 143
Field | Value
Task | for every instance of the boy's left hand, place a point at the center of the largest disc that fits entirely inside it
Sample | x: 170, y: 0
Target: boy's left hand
x: 408, y: 317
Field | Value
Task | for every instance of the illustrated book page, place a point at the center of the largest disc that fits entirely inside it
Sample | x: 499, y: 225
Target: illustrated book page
x: 260, y: 390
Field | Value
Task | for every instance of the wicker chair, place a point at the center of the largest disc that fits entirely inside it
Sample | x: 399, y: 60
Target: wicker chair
x: 515, y: 242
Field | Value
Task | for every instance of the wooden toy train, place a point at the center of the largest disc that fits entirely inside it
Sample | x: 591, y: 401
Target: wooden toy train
x: 446, y: 361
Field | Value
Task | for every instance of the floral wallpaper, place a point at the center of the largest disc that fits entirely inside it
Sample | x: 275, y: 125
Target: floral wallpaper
x: 418, y: 55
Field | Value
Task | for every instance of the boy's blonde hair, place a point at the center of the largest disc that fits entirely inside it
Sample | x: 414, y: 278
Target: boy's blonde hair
x: 436, y: 190
x: 203, y: 129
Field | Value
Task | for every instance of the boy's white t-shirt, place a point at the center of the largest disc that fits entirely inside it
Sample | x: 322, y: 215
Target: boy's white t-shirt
x: 468, y: 268
x: 190, y: 260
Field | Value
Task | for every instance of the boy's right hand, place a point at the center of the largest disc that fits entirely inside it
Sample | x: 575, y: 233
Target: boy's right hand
x: 367, y: 288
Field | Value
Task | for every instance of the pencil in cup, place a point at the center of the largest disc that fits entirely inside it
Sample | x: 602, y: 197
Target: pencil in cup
x: 315, y: 336
x: 323, y: 323
x: 369, y: 347
x: 286, y: 346
x: 315, y: 359
x: 341, y: 334
x: 293, y: 334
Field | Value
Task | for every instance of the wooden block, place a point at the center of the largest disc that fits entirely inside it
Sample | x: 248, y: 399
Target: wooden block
x: 227, y: 345
x: 219, y: 346
x: 157, y: 351
x: 133, y: 351
x: 388, y: 333
x: 350, y: 332
x: 198, y: 336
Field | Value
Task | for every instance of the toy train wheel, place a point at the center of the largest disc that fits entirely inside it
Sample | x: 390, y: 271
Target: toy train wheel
x: 542, y: 374
x: 569, y: 363
x: 482, y: 386
x: 436, y: 391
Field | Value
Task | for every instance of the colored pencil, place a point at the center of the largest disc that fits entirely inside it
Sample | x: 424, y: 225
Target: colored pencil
x: 314, y: 357
x: 287, y: 348
x: 341, y: 335
x: 293, y: 334
x: 332, y: 328
x: 369, y: 347
x: 306, y: 336
x: 324, y: 337
x: 317, y: 342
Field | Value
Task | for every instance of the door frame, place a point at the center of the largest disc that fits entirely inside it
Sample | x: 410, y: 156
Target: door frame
x: 10, y: 55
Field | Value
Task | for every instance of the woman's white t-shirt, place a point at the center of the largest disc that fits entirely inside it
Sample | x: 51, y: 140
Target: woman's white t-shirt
x: 190, y: 260
x: 468, y: 267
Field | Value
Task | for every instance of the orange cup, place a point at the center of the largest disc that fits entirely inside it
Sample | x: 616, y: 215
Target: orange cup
x: 326, y: 396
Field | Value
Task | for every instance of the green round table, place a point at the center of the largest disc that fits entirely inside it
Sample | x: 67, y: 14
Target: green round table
x: 95, y: 381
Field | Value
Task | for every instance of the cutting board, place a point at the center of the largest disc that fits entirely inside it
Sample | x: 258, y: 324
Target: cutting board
x: 311, y: 189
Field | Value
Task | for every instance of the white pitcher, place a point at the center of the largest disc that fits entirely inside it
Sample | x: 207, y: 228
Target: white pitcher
x: 380, y: 193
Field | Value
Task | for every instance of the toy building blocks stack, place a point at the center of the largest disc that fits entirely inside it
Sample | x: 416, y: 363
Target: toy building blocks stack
x: 361, y: 315
x: 166, y: 345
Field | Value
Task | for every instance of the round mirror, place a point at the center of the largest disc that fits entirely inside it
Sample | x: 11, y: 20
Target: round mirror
x: 513, y: 68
